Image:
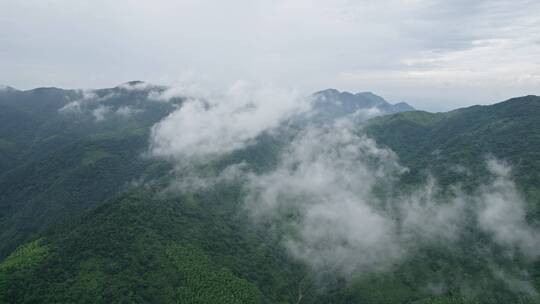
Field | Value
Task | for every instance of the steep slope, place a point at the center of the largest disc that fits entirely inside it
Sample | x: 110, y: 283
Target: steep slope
x: 508, y: 130
x: 57, y: 159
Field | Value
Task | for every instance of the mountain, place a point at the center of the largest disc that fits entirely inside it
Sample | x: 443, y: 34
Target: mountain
x: 57, y: 159
x: 331, y: 103
x: 87, y: 217
x: 509, y: 130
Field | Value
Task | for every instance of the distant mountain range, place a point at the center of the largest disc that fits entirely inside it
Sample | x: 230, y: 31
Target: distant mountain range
x: 346, y: 102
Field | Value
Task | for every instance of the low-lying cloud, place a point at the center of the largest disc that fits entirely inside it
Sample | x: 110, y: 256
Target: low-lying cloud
x: 213, y: 125
x: 325, y: 183
x: 336, y: 196
x: 91, y: 104
x: 502, y: 212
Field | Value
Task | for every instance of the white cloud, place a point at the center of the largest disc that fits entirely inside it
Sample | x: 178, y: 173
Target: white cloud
x: 91, y: 104
x: 78, y: 106
x: 136, y: 86
x: 502, y: 213
x: 100, y: 112
x: 334, y: 191
x: 325, y: 181
x: 127, y: 111
x: 217, y: 124
x: 335, y: 195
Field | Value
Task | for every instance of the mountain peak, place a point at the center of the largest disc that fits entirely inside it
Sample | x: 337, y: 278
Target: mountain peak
x: 6, y: 88
x: 526, y: 98
x: 333, y: 93
x: 327, y: 92
x: 403, y: 107
x: 332, y: 104
x: 375, y: 99
x: 367, y: 93
x: 135, y: 84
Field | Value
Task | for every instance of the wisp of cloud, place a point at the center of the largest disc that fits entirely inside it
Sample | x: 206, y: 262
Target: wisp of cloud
x: 335, y: 192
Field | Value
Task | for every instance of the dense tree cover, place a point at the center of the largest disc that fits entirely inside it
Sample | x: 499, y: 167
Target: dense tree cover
x: 141, y: 249
x: 203, y: 284
x: 508, y: 130
x: 75, y: 229
x: 55, y: 164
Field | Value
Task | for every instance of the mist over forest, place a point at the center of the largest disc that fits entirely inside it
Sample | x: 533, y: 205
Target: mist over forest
x: 301, y: 152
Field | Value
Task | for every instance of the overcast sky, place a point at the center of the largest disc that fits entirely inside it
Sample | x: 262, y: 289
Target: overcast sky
x: 436, y: 55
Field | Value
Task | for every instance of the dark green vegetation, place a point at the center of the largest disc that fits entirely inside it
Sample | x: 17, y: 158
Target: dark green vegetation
x: 84, y: 217
x: 56, y: 164
x: 508, y: 130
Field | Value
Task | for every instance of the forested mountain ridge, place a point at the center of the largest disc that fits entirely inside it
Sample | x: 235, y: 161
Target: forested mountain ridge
x: 509, y: 130
x: 60, y: 156
x: 99, y: 221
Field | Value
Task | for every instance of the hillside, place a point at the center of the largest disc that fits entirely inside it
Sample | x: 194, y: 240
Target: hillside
x: 86, y: 216
x: 57, y: 159
x: 509, y: 130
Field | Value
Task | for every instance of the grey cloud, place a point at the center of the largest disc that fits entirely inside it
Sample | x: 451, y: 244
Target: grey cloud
x: 424, y: 52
